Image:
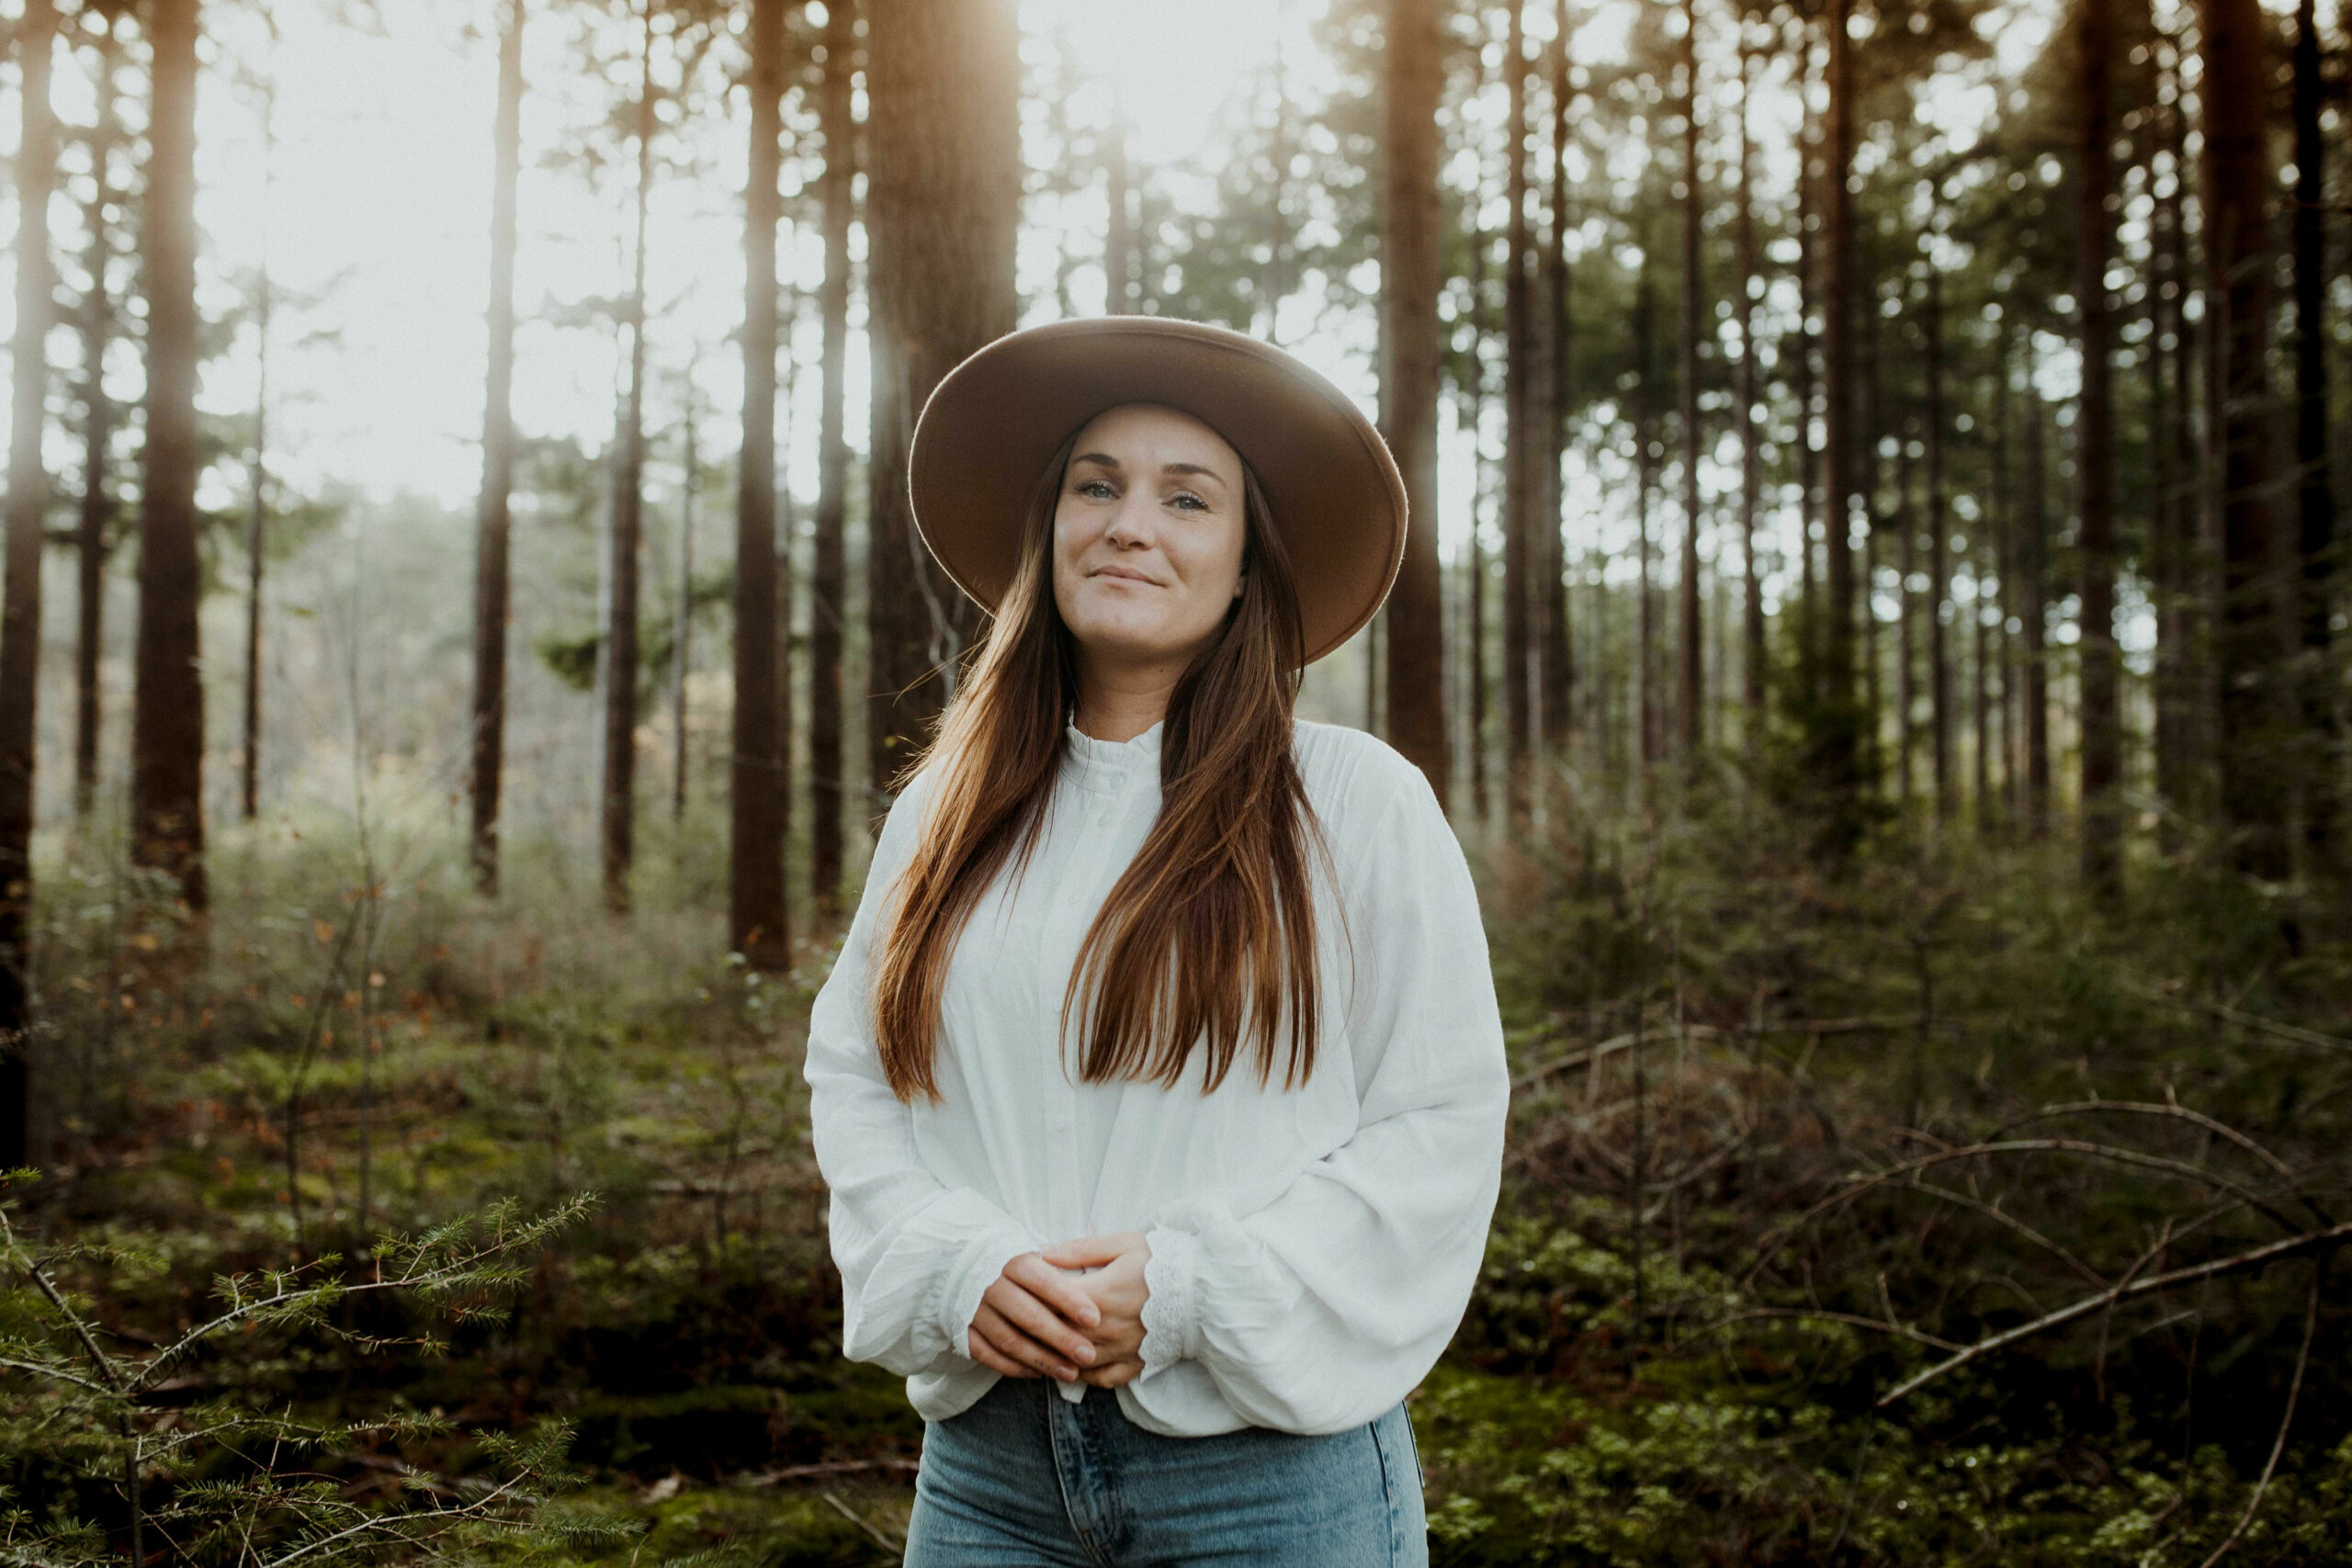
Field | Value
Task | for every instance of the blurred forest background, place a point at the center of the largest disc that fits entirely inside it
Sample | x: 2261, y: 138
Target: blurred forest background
x: 1875, y: 612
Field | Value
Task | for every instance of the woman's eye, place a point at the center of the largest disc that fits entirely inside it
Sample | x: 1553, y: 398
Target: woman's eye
x: 1089, y: 487
x: 1198, y: 504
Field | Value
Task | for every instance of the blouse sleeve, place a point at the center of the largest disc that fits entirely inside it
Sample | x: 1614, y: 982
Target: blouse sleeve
x: 1320, y: 1311
x: 914, y: 1255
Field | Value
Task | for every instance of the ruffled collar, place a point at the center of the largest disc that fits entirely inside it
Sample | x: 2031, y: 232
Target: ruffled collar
x: 1113, y: 756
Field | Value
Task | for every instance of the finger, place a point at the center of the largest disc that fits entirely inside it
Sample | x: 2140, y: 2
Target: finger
x: 1017, y: 1346
x: 989, y: 1355
x: 1055, y: 1289
x: 1114, y: 1373
x: 1084, y: 1252
x: 1040, y: 1322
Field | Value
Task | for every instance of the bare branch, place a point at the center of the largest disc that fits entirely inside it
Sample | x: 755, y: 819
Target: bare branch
x: 2278, y: 1444
x: 2236, y: 1263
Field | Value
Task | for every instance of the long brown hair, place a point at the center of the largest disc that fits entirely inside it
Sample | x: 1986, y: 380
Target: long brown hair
x: 1209, y: 935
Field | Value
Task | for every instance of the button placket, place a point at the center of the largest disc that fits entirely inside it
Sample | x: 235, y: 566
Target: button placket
x: 1053, y: 980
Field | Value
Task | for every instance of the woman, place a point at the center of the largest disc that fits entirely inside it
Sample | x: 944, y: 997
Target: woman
x: 1158, y: 1292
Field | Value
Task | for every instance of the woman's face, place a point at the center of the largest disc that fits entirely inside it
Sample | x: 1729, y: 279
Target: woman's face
x: 1147, y: 536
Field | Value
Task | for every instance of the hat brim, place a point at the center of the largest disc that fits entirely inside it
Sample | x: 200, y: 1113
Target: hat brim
x: 987, y: 430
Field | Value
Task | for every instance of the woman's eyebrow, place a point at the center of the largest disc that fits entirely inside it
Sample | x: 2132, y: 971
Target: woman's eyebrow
x: 1104, y: 460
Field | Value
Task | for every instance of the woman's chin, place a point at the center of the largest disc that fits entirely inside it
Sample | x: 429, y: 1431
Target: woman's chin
x: 1118, y: 645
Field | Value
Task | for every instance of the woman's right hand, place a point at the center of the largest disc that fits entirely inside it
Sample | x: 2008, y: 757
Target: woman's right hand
x: 1031, y: 1320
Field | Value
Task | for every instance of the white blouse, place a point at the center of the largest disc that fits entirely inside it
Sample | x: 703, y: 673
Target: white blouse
x: 1312, y: 1250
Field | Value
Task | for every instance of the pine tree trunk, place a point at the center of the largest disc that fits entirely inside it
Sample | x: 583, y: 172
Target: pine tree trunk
x: 1519, y: 336
x: 1752, y: 582
x: 617, y: 812
x: 492, y: 514
x: 1408, y: 384
x: 1907, y: 685
x: 1124, y: 296
x: 27, y: 513
x: 682, y: 642
x: 1808, y: 388
x: 2168, y: 542
x: 2102, y: 753
x: 2005, y: 526
x: 1871, y: 482
x: 95, y: 524
x: 1940, y: 595
x: 167, y: 706
x: 1688, y: 685
x: 827, y: 565
x: 1555, y: 669
x: 257, y: 508
x: 1274, y: 283
x: 2033, y: 566
x: 2250, y: 647
x: 1980, y: 695
x: 756, y: 779
x: 943, y: 205
x: 1647, y: 730
x: 1481, y: 328
x: 256, y: 560
x: 1835, y: 743
x: 2319, y: 772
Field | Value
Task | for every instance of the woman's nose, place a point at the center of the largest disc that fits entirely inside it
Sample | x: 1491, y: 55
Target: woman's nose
x: 1128, y: 525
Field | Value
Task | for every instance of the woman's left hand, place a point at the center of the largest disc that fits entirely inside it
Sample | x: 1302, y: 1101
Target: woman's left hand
x: 1118, y: 1291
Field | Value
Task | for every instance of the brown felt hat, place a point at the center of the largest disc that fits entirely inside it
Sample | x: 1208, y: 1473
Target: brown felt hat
x: 993, y: 423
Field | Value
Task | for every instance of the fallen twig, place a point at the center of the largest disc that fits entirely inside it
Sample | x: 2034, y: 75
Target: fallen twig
x: 830, y: 1467
x: 873, y: 1531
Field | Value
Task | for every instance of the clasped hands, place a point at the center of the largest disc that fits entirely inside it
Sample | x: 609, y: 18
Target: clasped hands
x: 1037, y: 1319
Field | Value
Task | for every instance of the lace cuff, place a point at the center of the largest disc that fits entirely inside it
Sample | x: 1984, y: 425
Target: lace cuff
x: 957, y: 1299
x: 1172, y: 1329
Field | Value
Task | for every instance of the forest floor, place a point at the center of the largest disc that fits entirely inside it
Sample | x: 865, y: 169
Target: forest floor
x: 1784, y: 1141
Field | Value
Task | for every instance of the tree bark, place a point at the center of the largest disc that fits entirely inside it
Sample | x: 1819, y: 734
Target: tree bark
x: 493, y: 513
x: 1481, y: 328
x: 2169, y: 535
x: 1408, y: 385
x: 1806, y: 375
x: 1123, y: 291
x: 2249, y: 644
x: 2319, y: 776
x: 1838, y: 727
x: 167, y: 706
x: 756, y: 778
x: 619, y: 649
x: 1519, y: 341
x: 1555, y: 669
x: 2005, y: 525
x: 27, y: 513
x: 1872, y: 484
x: 681, y: 641
x: 943, y: 204
x: 1940, y: 602
x: 256, y: 561
x: 257, y: 508
x: 1906, y: 683
x: 2033, y: 566
x: 2102, y: 746
x: 1649, y: 735
x: 828, y: 567
x: 95, y: 524
x: 1689, y: 685
x: 1752, y: 582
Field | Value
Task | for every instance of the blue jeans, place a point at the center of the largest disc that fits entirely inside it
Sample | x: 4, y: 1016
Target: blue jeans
x: 1025, y: 1477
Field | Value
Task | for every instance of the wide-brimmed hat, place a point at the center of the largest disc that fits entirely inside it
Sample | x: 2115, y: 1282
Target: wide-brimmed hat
x: 990, y: 426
